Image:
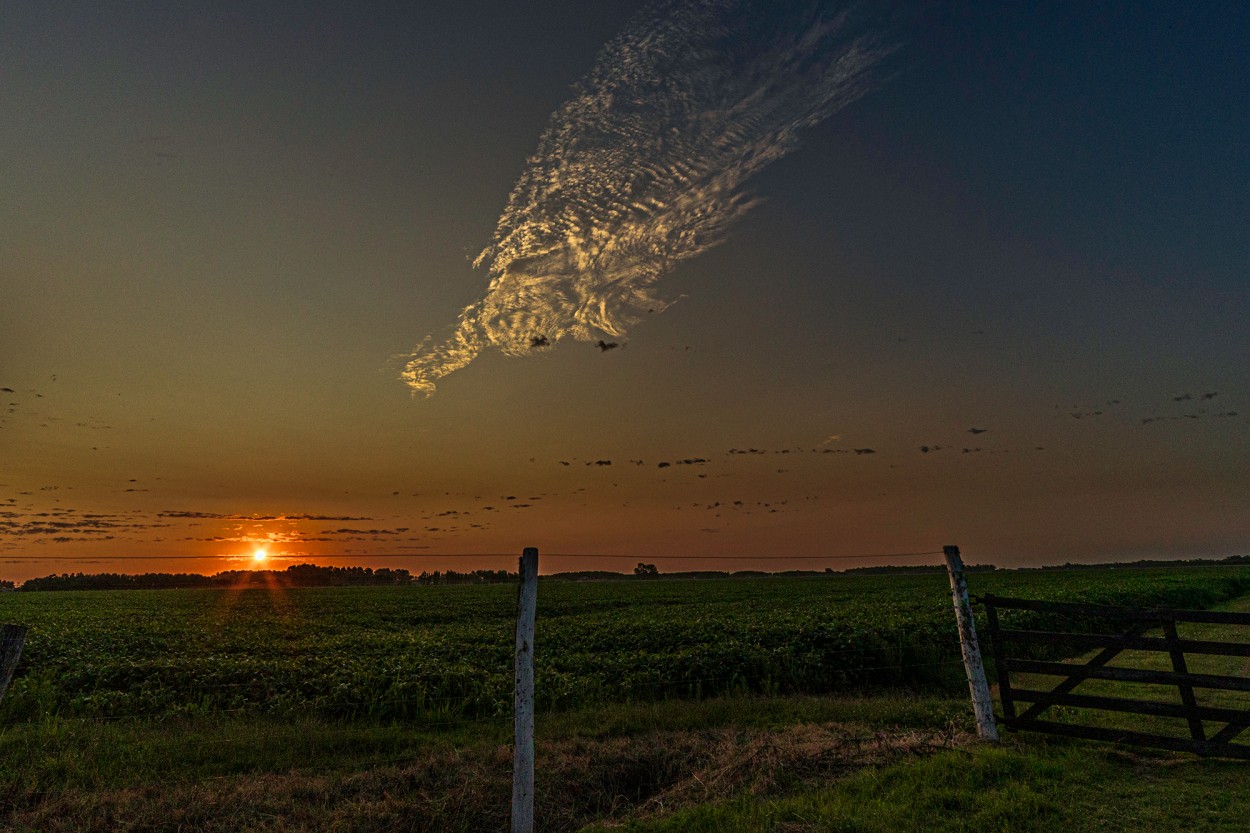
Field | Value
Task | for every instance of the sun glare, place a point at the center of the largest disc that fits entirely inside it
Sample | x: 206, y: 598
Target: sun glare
x: 259, y: 556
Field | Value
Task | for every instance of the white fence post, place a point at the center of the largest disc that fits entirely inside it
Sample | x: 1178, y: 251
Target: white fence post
x: 523, y: 706
x: 982, y: 706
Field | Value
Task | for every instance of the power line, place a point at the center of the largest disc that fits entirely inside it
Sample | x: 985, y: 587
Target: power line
x: 96, y: 559
x: 747, y: 557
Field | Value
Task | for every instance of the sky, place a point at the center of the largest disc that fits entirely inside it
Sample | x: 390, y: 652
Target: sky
x: 782, y: 283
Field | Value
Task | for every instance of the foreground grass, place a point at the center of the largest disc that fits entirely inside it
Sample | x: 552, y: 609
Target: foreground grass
x: 265, y: 775
x: 749, y: 764
x: 1023, y: 787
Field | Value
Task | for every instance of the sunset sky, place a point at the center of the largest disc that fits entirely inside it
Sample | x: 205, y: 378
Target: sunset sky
x: 992, y: 289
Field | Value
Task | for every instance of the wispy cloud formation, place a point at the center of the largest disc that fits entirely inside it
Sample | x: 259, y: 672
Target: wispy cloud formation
x: 644, y: 167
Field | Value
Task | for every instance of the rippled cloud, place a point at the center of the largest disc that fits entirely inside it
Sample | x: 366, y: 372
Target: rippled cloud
x: 644, y: 167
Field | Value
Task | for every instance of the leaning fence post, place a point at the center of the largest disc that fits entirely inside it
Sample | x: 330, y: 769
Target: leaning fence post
x: 523, y: 706
x: 12, y: 638
x: 982, y: 706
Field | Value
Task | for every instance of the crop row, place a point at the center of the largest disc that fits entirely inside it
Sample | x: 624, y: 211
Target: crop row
x: 446, y: 652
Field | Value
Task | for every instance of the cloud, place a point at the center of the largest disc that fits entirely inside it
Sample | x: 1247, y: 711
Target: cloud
x: 63, y: 521
x: 644, y: 167
x: 174, y: 513
x: 363, y: 531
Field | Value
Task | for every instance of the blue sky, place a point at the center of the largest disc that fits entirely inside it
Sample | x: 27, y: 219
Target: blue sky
x: 223, y: 226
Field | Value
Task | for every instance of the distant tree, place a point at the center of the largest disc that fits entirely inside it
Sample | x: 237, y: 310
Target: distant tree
x: 646, y: 570
x: 456, y: 577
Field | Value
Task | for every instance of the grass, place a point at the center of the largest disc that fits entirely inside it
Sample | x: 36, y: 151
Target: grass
x: 886, y: 761
x: 1025, y: 786
x: 742, y: 764
x: 257, y: 774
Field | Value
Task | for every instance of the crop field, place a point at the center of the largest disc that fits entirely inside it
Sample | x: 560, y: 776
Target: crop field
x: 818, y: 703
x: 438, y: 654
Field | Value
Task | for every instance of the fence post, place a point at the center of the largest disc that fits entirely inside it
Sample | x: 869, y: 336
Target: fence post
x: 982, y: 706
x: 12, y: 638
x: 523, y: 705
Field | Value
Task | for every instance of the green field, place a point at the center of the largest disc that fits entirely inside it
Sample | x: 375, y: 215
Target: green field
x: 438, y: 653
x: 668, y: 705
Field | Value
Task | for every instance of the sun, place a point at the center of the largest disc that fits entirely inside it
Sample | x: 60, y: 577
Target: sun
x: 259, y: 556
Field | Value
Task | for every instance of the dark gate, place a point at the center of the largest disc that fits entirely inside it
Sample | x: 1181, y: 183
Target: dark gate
x: 1132, y: 626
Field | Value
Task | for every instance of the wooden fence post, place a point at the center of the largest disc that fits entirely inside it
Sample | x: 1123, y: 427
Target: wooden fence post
x: 12, y: 638
x: 523, y: 705
x: 982, y: 706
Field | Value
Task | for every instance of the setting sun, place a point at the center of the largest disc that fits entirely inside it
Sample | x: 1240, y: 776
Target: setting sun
x: 259, y: 556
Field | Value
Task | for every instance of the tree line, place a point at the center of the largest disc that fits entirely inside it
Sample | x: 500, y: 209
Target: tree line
x: 311, y: 575
x: 297, y: 575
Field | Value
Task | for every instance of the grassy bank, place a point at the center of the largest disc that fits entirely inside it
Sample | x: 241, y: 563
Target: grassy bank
x: 1026, y: 786
x: 741, y: 764
x: 620, y: 760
